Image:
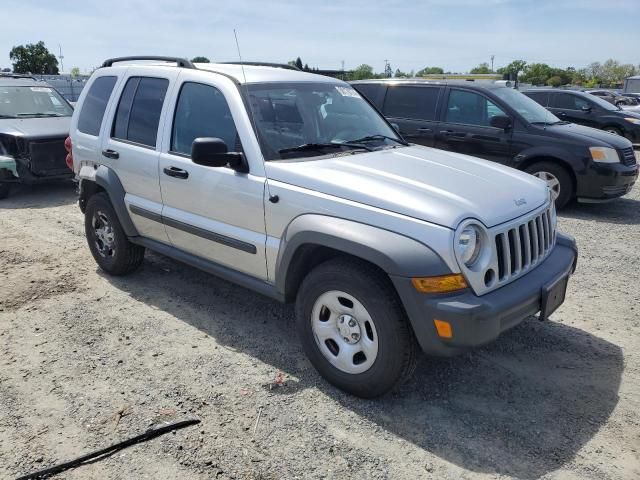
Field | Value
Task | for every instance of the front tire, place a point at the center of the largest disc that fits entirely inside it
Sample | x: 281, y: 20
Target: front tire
x: 613, y: 130
x: 558, y: 179
x: 353, y: 328
x: 109, y: 245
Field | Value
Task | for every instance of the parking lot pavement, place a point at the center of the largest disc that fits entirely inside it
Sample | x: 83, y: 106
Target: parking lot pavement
x: 87, y: 360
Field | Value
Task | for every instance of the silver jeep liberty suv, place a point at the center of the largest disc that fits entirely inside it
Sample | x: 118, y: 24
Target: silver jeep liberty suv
x: 292, y: 185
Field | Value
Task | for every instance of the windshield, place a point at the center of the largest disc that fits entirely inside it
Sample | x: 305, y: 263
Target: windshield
x: 38, y: 101
x: 531, y: 110
x: 310, y: 119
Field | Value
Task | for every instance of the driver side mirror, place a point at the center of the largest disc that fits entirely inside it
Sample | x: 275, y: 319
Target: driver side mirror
x: 213, y: 152
x: 500, y: 121
x: 586, y: 108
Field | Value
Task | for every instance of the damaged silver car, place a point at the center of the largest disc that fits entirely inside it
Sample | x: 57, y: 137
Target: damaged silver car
x: 34, y: 124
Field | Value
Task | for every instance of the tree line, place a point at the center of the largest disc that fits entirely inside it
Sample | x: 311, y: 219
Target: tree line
x: 35, y: 58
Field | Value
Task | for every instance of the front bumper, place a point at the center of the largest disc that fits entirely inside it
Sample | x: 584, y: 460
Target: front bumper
x: 606, y: 181
x: 478, y: 320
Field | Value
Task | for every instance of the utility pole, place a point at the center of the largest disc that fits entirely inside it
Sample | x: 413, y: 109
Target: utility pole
x: 342, y: 63
x: 61, y: 57
x: 492, y: 57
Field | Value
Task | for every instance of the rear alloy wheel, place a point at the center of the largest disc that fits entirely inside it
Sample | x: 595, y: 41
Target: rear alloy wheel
x: 557, y: 178
x: 354, y: 329
x: 109, y: 245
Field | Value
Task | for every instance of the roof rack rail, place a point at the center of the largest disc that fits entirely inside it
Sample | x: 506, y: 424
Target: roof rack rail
x: 182, y: 62
x: 263, y: 64
x: 17, y: 75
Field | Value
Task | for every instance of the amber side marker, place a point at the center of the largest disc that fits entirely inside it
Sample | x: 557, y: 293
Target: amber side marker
x: 443, y: 328
x: 440, y: 284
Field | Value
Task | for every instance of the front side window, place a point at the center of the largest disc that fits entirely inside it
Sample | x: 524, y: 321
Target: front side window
x: 470, y: 108
x: 412, y: 102
x: 530, y: 110
x: 305, y: 119
x: 33, y: 101
x: 139, y: 110
x: 202, y: 111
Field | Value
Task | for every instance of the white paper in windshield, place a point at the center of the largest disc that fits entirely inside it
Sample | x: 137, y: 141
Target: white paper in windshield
x: 348, y: 92
x: 40, y: 89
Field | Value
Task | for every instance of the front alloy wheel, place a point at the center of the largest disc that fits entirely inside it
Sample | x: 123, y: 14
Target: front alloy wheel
x: 552, y: 182
x: 344, y: 332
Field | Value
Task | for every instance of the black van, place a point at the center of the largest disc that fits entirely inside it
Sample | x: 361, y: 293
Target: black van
x: 501, y: 124
x: 587, y: 109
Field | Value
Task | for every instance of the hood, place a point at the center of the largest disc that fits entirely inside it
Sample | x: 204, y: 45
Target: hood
x: 432, y: 185
x: 35, y: 127
x: 592, y: 137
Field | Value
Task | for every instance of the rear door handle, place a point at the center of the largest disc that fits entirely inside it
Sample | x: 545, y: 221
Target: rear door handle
x: 425, y: 130
x: 562, y: 114
x: 176, y: 172
x: 110, y: 154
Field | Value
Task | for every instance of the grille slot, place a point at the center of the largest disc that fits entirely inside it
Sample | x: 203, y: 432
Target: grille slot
x: 628, y: 157
x: 521, y: 247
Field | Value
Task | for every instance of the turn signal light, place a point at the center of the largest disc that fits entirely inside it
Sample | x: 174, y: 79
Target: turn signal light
x: 440, y: 284
x: 443, y: 328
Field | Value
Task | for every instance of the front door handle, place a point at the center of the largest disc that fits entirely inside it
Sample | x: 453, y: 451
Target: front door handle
x: 110, y: 154
x: 451, y: 133
x: 562, y: 114
x: 176, y: 172
x: 425, y: 130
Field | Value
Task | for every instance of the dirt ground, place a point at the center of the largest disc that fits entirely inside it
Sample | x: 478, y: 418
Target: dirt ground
x: 87, y: 360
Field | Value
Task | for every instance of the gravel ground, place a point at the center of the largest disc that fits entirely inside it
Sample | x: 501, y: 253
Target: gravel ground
x: 87, y: 360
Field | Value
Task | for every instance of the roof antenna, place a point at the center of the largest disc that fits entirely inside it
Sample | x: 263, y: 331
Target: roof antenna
x: 272, y: 198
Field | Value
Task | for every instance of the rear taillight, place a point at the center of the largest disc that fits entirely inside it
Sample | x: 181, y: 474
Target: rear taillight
x: 67, y: 147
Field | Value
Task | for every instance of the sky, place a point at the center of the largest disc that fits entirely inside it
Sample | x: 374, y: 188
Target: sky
x: 453, y: 34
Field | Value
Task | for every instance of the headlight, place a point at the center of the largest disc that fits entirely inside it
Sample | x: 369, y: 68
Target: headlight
x: 604, y: 155
x: 469, y: 245
x: 635, y: 121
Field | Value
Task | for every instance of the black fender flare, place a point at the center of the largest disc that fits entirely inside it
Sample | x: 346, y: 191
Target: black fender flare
x: 394, y: 253
x: 106, y: 178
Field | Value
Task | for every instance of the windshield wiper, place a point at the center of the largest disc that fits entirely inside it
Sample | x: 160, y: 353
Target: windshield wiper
x: 321, y: 146
x: 7, y: 116
x: 39, y: 114
x: 370, y: 138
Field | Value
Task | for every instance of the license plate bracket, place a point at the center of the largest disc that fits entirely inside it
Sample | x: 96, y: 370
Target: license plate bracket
x: 552, y: 297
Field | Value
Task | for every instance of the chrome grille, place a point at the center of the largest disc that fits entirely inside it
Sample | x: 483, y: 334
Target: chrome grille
x: 628, y: 156
x: 522, y: 246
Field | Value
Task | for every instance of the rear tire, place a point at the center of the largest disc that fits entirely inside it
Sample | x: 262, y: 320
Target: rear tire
x: 109, y: 245
x: 558, y: 178
x: 374, y: 349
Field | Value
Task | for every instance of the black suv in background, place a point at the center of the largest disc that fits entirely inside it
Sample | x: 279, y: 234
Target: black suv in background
x: 590, y: 110
x: 503, y: 125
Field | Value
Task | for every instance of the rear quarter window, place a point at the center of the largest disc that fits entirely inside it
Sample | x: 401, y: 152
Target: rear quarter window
x: 369, y: 90
x: 412, y: 102
x: 94, y: 105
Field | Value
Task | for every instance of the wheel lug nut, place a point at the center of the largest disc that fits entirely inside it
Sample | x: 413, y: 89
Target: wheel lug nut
x: 354, y: 336
x: 352, y: 323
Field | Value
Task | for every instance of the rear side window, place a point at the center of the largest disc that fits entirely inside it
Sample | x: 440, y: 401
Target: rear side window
x: 369, y: 90
x: 412, y: 102
x: 541, y: 97
x: 569, y: 102
x: 202, y: 111
x: 139, y: 109
x: 94, y: 105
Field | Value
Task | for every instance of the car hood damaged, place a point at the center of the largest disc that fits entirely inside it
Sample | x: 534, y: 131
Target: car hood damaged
x: 424, y: 183
x: 30, y: 127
